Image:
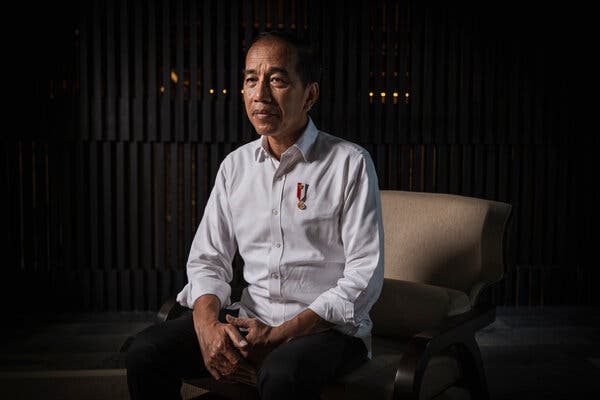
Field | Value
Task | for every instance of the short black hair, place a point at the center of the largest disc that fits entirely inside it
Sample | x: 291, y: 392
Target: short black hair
x: 308, y: 63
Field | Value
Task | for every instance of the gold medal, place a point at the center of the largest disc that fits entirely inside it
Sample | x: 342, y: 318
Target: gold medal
x: 301, y: 205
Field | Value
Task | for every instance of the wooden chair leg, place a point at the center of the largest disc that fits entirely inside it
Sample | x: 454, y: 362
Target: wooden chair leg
x: 470, y: 359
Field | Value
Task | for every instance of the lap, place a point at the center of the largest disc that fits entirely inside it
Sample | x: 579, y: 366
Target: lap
x: 316, y: 358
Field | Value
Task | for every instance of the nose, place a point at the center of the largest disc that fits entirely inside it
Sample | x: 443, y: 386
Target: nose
x: 262, y: 91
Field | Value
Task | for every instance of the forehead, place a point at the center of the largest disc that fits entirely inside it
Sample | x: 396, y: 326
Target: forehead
x: 271, y: 52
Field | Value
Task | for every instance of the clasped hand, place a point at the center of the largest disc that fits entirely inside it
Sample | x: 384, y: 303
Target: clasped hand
x: 227, y: 354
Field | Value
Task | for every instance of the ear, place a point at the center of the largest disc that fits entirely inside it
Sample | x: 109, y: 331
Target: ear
x: 312, y: 95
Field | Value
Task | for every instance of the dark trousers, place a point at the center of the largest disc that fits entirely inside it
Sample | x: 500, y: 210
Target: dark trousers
x: 163, y: 354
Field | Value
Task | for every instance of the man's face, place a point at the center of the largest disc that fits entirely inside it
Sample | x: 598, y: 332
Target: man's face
x: 276, y: 100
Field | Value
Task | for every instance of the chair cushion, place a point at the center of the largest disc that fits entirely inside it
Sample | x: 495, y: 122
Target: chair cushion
x: 405, y: 308
x: 375, y: 379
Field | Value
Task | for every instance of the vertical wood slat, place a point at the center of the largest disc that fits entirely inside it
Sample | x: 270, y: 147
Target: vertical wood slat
x: 187, y: 198
x: 201, y: 181
x: 376, y: 70
x: 440, y: 77
x: 13, y: 228
x: 192, y: 104
x: 338, y: 64
x: 66, y: 205
x: 112, y: 290
x: 221, y: 83
x: 207, y: 73
x: 475, y: 94
x: 403, y: 72
x: 173, y: 198
x: 164, y: 101
x: 234, y: 95
x: 453, y: 79
x: 145, y: 206
x: 124, y: 128
x: 82, y: 214
x: 364, y: 68
x: 427, y: 85
x: 133, y: 216
x: 94, y: 225
x: 160, y: 208
x: 391, y: 70
x: 96, y: 66
x: 327, y: 82
x: 151, y: 112
x: 40, y: 206
x: 84, y: 94
x: 107, y: 205
x: 120, y: 206
x: 179, y: 118
x: 442, y: 168
x: 138, y: 67
x: 110, y: 75
x: 415, y: 64
x: 352, y: 99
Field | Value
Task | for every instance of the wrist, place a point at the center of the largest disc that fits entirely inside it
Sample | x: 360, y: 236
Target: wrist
x: 279, y: 335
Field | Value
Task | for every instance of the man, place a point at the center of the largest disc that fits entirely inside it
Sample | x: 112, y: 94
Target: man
x: 303, y: 209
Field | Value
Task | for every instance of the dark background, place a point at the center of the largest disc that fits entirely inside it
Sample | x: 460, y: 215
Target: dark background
x: 112, y: 138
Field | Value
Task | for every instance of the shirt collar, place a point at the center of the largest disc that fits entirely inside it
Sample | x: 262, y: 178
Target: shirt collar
x: 304, y: 143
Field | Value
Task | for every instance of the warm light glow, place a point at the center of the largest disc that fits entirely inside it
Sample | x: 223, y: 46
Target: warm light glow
x: 382, y: 94
x: 173, y: 76
x: 370, y: 94
x: 224, y: 91
x: 242, y: 91
x: 395, y: 94
x: 211, y: 91
x: 406, y: 95
x: 162, y: 89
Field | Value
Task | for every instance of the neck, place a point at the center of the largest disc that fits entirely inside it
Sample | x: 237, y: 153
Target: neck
x: 280, y: 143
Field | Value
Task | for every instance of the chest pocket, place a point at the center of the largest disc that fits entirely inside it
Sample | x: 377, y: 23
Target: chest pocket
x: 319, y: 216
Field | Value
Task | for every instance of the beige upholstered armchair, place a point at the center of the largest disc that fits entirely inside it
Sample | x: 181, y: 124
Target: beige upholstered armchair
x: 443, y: 254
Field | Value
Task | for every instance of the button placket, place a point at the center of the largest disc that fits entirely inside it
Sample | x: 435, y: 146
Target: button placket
x: 277, y: 243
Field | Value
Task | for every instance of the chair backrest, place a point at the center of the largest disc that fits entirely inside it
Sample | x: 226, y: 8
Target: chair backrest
x: 441, y: 239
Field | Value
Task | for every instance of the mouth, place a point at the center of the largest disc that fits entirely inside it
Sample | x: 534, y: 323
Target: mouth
x: 264, y: 114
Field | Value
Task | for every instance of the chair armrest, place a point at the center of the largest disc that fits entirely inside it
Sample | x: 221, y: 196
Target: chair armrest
x: 406, y: 308
x: 170, y: 309
x: 459, y: 330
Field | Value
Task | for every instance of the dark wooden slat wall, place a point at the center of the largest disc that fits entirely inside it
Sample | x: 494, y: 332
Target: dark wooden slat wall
x: 145, y: 101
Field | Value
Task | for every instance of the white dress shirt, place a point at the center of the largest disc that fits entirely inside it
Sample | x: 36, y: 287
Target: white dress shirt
x: 327, y: 256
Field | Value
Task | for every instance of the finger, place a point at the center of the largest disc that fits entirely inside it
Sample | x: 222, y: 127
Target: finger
x: 236, y: 338
x: 231, y: 356
x: 214, y: 372
x: 239, y: 322
x: 233, y: 320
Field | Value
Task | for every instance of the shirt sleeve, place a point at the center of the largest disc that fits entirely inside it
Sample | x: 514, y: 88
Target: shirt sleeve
x: 209, y: 269
x: 350, y: 301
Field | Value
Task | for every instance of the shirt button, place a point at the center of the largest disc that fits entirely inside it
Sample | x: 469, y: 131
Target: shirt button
x: 274, y: 275
x: 275, y: 212
x: 277, y: 244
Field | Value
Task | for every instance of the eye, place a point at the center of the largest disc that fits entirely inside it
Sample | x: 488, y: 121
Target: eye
x: 250, y: 81
x: 278, y: 81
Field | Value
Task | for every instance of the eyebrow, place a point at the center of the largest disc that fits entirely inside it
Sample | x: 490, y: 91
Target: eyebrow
x: 271, y: 70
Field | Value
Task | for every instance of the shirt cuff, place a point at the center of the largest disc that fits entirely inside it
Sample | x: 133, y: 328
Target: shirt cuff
x: 333, y: 308
x: 191, y: 292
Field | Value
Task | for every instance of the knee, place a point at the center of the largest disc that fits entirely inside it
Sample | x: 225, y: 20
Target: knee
x: 278, y: 380
x: 142, y: 354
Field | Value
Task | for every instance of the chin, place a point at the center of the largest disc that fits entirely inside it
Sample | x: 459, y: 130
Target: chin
x: 266, y: 131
